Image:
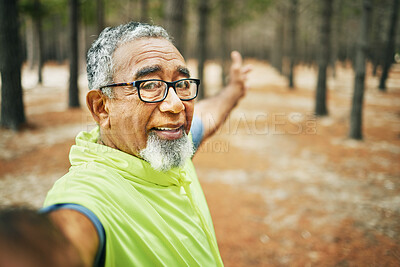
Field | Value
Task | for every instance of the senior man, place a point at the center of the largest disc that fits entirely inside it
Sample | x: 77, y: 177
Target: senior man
x: 131, y: 196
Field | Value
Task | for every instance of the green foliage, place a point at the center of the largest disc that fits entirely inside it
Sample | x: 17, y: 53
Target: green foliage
x: 156, y: 9
x: 240, y: 11
x: 88, y: 12
x: 121, y: 11
x: 258, y: 6
x: 351, y: 9
x: 48, y: 8
x: 28, y: 7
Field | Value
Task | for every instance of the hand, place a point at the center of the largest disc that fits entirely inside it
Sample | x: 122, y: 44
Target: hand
x: 213, y: 111
x: 238, y: 75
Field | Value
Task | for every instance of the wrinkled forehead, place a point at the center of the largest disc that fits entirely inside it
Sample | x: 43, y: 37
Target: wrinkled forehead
x: 147, y: 52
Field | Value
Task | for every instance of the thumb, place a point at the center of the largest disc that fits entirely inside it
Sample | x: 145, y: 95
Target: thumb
x: 236, y: 59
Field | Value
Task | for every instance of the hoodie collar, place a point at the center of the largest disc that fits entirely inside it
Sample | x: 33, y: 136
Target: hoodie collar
x: 130, y: 167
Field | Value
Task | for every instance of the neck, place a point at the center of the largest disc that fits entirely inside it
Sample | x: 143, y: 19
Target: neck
x: 106, y: 140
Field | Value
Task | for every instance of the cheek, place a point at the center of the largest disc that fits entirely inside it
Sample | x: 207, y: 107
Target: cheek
x: 136, y: 121
x: 129, y: 127
x: 189, y: 109
x: 125, y: 117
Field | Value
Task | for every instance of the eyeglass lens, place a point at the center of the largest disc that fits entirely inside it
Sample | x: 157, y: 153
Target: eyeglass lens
x: 156, y: 90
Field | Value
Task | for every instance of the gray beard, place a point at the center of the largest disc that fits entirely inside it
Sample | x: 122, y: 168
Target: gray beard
x: 164, y: 155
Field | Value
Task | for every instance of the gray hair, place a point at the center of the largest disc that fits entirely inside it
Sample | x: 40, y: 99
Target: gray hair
x: 100, y: 66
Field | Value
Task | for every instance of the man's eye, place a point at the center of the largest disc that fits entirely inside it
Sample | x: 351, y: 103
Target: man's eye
x: 151, y: 85
x: 183, y: 85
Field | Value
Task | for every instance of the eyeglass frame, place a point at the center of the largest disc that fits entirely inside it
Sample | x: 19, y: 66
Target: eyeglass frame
x: 169, y: 85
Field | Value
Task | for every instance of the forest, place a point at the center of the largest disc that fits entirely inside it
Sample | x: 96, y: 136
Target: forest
x: 284, y: 33
x: 305, y: 171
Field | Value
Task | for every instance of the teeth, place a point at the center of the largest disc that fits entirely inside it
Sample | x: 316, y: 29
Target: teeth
x: 164, y: 129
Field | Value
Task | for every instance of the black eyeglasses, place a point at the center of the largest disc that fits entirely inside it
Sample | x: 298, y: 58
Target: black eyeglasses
x: 154, y: 90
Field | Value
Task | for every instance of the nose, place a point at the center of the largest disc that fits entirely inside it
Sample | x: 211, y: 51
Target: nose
x: 172, y: 103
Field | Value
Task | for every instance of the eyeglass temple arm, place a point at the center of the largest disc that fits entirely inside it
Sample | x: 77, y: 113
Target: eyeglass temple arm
x: 118, y: 84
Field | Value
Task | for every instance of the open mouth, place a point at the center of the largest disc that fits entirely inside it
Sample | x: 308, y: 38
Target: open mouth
x: 169, y: 133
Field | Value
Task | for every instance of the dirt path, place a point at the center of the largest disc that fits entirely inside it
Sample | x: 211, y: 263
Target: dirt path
x: 284, y: 188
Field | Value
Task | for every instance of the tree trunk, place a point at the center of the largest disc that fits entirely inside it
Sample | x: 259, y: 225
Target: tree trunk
x: 336, y: 35
x: 37, y: 25
x: 356, y: 110
x: 12, y: 107
x: 202, y: 43
x: 73, y: 54
x: 324, y: 55
x: 30, y: 42
x: 175, y: 21
x: 100, y: 16
x: 144, y: 7
x: 224, y: 37
x: 293, y: 43
x: 58, y: 34
x: 376, y: 41
x: 390, y: 45
x: 277, y: 56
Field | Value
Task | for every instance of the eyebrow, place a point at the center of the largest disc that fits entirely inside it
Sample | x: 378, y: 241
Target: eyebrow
x: 184, y: 71
x: 156, y: 68
x: 146, y: 71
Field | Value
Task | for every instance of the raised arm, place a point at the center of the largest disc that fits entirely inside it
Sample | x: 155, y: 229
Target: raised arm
x: 214, y: 111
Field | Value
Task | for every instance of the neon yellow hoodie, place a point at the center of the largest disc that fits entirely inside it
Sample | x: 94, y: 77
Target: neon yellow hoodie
x: 150, y: 218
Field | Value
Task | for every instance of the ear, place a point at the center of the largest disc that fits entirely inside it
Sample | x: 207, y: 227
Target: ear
x: 96, y: 102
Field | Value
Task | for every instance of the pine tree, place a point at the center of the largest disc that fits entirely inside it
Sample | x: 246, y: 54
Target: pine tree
x: 12, y: 107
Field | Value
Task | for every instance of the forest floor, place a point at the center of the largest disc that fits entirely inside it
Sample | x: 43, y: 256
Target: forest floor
x: 284, y: 188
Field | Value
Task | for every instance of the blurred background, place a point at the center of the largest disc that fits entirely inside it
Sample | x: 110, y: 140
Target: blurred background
x: 306, y: 170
